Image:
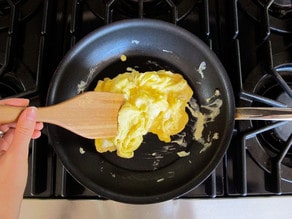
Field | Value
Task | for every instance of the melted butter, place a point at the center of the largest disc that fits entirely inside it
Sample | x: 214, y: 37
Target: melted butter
x: 183, y: 153
x: 123, y: 58
x: 204, y: 115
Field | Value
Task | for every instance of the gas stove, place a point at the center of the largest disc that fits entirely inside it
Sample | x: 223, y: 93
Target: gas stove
x: 252, y: 38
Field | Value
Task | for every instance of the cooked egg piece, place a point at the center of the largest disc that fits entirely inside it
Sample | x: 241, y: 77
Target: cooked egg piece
x: 155, y: 102
x: 123, y: 58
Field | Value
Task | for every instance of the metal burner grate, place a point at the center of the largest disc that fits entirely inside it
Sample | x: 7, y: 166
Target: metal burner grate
x: 19, y: 72
x: 277, y: 12
x: 261, y: 163
x: 23, y: 68
x: 169, y: 10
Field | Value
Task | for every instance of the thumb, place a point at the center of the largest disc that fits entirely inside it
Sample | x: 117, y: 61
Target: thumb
x: 24, y: 131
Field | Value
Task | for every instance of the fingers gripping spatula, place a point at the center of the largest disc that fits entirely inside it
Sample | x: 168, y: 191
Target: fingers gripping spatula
x: 90, y: 115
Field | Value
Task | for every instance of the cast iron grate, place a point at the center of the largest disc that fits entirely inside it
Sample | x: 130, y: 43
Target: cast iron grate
x: 263, y: 147
x: 23, y: 49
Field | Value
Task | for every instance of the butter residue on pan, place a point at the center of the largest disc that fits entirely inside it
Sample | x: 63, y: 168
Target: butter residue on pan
x: 205, y: 114
x: 123, y: 58
x: 200, y: 115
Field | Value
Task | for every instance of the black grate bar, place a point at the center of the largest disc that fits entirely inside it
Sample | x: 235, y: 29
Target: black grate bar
x: 43, y: 43
x: 254, y: 133
x: 211, y: 185
x: 235, y: 25
x: 254, y: 97
x: 272, y: 70
x: 141, y: 8
x: 276, y: 167
x: 281, y: 81
x: 10, y: 43
x: 41, y: 184
x: 243, y: 172
x: 239, y: 84
x: 109, y: 9
x: 266, y: 21
x: 173, y: 10
x: 207, y: 30
x: 64, y: 174
x: 76, y: 8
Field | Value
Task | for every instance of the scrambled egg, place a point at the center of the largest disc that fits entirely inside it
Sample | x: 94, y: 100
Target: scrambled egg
x: 155, y: 102
x: 123, y: 58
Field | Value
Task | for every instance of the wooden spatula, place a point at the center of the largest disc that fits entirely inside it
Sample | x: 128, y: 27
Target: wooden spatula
x: 91, y: 114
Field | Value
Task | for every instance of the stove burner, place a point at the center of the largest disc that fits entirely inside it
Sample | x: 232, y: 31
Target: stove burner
x: 280, y: 13
x: 267, y: 140
x: 26, y: 9
x: 158, y: 9
x: 274, y: 139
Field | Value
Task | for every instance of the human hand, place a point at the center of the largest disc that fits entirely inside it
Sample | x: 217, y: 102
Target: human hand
x: 14, y: 147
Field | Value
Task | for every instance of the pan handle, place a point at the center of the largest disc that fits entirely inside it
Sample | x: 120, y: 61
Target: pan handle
x: 263, y: 113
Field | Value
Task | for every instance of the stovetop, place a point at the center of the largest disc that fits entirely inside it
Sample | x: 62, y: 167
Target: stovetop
x: 252, y: 38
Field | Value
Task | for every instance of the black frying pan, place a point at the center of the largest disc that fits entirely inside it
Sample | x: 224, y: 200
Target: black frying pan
x: 156, y: 173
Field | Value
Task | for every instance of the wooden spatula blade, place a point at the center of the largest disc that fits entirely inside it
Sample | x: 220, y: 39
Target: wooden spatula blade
x: 91, y: 114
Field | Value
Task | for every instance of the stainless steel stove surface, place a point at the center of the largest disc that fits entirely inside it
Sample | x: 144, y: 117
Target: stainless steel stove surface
x: 253, y: 40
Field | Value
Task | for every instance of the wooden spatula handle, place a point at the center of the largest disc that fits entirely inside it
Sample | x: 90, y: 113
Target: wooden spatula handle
x: 91, y: 114
x: 9, y: 114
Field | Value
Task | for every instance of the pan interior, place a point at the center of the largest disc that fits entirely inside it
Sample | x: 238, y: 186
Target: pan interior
x: 153, y: 154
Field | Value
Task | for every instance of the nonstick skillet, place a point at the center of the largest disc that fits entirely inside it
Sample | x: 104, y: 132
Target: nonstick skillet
x: 156, y: 173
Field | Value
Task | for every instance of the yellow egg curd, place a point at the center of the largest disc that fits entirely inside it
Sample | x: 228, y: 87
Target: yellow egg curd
x: 156, y: 102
